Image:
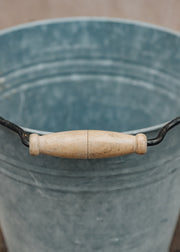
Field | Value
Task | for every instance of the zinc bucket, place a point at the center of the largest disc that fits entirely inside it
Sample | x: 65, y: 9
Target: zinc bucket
x: 89, y: 74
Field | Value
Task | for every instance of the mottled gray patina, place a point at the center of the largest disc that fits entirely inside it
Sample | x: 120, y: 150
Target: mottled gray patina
x: 89, y: 74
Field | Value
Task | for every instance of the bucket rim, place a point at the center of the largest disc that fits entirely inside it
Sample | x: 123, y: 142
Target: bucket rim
x: 89, y: 19
x: 131, y: 132
x: 28, y: 25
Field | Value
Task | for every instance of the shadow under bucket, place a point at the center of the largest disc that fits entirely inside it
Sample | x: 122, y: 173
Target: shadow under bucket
x: 100, y: 74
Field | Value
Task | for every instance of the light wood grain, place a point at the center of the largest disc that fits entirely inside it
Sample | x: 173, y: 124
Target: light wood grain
x: 87, y: 144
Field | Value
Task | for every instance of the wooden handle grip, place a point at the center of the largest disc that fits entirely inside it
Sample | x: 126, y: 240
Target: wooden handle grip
x: 87, y: 144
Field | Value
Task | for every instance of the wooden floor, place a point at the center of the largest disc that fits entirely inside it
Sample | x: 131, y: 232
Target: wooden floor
x: 161, y: 12
x: 2, y: 243
x: 175, y: 245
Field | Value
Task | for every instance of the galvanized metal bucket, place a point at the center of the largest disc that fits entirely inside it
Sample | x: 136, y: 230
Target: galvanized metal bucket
x: 101, y: 74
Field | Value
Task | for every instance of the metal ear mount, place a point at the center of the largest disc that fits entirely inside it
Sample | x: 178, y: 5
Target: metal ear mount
x: 158, y: 139
x: 87, y: 144
x: 24, y: 136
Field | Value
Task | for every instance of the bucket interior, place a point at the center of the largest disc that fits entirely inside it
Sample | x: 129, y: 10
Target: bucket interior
x: 82, y: 74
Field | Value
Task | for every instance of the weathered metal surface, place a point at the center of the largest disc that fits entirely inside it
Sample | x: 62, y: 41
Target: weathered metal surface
x: 63, y: 75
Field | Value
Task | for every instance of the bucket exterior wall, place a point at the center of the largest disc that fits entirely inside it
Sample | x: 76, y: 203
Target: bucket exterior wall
x: 129, y: 203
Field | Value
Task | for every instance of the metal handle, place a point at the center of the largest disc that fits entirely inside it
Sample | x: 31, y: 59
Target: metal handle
x: 87, y: 144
